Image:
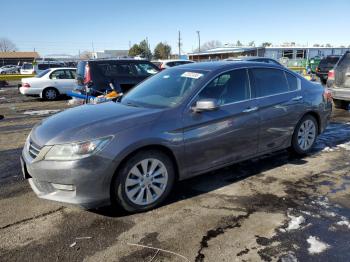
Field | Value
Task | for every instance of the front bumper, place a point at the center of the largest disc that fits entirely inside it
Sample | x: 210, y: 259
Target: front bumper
x: 85, y: 182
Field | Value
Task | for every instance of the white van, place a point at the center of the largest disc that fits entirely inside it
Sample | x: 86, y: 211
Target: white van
x: 30, y: 69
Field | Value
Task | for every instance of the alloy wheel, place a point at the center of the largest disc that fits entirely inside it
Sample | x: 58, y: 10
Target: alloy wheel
x: 306, y: 134
x: 146, y: 181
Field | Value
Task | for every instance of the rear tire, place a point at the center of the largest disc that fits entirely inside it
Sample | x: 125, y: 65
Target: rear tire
x: 304, y: 135
x: 50, y: 94
x: 341, y: 104
x: 143, y: 182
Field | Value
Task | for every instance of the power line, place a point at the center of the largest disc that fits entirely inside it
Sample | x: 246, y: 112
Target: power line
x: 179, y: 43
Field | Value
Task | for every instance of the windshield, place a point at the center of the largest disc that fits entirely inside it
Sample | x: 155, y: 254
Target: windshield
x: 27, y: 66
x: 166, y: 89
x: 41, y: 74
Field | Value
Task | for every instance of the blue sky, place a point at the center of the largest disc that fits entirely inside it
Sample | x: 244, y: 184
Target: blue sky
x: 67, y: 26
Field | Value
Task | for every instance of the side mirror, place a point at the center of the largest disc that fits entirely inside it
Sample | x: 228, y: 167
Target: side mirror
x: 206, y: 105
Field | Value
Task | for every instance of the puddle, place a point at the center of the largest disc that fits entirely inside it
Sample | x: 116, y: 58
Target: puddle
x: 335, y: 135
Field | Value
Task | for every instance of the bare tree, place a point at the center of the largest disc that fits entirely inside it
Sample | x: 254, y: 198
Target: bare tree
x: 86, y: 55
x: 210, y: 45
x: 265, y: 44
x: 251, y: 43
x: 7, y: 45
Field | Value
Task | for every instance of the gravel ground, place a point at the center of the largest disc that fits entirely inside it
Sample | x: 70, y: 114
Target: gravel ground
x: 274, y: 208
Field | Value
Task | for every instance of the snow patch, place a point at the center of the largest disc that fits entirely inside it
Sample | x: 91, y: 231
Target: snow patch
x: 295, y: 222
x: 345, y: 146
x: 344, y: 223
x: 316, y: 246
x: 328, y: 149
x: 41, y: 112
x: 289, y: 257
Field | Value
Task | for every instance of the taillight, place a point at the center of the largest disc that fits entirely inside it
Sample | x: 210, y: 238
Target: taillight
x: 87, y: 75
x: 331, y: 74
x: 26, y: 85
x: 327, y: 95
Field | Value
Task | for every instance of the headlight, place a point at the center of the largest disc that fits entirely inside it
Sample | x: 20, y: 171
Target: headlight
x: 76, y: 150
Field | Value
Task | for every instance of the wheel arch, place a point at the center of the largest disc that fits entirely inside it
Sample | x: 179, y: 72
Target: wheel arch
x: 50, y: 87
x: 164, y: 149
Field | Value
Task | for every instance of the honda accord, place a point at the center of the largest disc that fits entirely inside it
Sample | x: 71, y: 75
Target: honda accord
x: 179, y: 123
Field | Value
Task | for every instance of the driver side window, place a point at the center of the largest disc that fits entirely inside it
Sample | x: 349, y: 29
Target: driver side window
x: 228, y: 88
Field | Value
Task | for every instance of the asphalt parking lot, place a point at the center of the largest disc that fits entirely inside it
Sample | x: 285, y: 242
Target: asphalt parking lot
x: 274, y: 208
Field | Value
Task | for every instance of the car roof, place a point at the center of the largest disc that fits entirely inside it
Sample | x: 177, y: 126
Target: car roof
x: 115, y: 59
x: 174, y: 60
x: 223, y: 65
x: 57, y: 68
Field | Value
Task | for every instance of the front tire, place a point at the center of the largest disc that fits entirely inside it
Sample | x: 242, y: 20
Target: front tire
x: 304, y: 136
x: 144, y: 181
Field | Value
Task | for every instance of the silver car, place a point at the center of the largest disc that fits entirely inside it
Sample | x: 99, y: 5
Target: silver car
x: 180, y: 123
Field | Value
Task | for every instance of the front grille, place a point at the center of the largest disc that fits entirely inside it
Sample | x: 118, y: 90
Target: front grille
x: 33, y: 150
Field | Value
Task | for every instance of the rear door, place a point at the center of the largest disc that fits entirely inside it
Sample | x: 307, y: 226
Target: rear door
x: 342, y: 72
x: 127, y: 76
x: 280, y: 103
x: 215, y: 138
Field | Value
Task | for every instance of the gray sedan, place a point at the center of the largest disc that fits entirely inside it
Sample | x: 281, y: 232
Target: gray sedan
x: 180, y: 123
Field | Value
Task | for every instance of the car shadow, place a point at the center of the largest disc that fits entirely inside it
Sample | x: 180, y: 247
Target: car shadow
x: 336, y: 134
x: 216, y: 179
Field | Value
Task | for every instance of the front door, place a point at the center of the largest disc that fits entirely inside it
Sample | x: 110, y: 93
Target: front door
x: 230, y: 133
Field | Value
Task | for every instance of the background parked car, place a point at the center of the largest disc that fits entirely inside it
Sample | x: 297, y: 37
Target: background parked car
x: 122, y: 73
x: 31, y: 69
x: 163, y: 64
x: 50, y: 83
x: 254, y: 59
x: 339, y: 82
x: 325, y: 65
x: 8, y: 69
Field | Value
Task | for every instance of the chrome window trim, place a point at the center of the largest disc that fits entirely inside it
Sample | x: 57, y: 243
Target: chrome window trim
x: 250, y: 84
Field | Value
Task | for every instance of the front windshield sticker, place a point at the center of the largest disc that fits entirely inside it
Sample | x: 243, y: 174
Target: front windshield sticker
x: 192, y: 75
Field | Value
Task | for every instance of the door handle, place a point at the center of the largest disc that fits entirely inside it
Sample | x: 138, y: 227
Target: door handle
x: 297, y: 98
x: 250, y: 109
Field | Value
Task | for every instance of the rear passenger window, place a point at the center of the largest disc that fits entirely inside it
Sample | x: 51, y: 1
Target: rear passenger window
x: 115, y: 70
x: 228, y: 88
x: 144, y: 69
x: 269, y: 81
x: 43, y: 66
x: 292, y: 82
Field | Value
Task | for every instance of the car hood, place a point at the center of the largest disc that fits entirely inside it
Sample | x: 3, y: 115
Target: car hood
x: 89, y: 122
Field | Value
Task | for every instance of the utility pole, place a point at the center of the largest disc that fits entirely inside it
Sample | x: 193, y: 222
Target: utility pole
x: 129, y: 44
x: 179, y: 44
x: 92, y: 45
x: 199, y: 41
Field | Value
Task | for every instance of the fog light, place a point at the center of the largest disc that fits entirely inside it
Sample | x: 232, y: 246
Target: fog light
x: 63, y: 187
